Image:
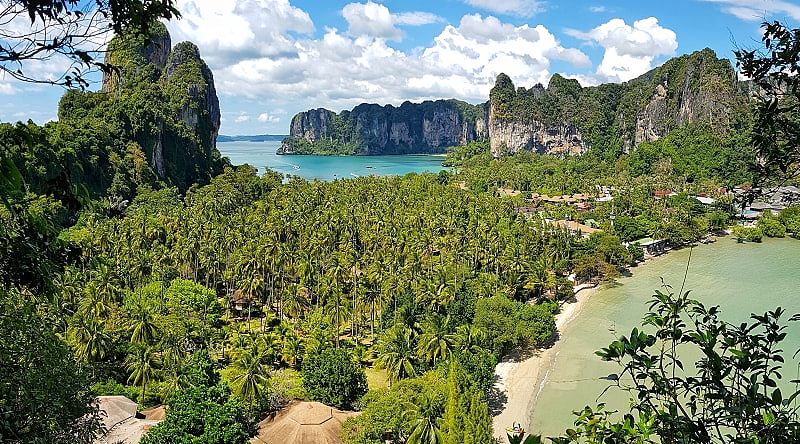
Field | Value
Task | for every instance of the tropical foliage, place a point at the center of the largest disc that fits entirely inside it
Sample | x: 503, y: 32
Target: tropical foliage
x: 331, y: 376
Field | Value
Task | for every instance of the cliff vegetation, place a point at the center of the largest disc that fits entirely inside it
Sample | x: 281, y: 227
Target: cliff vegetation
x: 562, y: 118
x: 154, y: 123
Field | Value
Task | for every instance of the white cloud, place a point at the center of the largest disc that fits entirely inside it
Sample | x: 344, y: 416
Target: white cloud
x: 242, y: 118
x: 757, y: 10
x: 417, y: 18
x: 629, y: 50
x: 598, y: 9
x: 7, y: 89
x: 268, y: 118
x: 341, y: 69
x: 471, y: 55
x: 228, y: 30
x: 522, y: 8
x: 375, y: 20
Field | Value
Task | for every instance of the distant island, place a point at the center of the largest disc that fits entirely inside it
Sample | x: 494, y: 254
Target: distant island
x: 255, y: 138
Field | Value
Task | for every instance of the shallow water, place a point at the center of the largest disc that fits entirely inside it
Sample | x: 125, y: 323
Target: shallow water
x: 741, y: 278
x: 262, y: 155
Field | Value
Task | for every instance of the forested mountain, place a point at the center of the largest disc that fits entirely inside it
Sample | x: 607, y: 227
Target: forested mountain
x: 563, y: 118
x: 155, y: 121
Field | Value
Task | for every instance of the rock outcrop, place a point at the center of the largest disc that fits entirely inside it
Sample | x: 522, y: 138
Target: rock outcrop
x: 563, y: 118
x: 514, y: 127
x: 424, y: 128
x: 193, y: 82
x: 136, y: 58
x: 696, y: 88
x: 176, y: 82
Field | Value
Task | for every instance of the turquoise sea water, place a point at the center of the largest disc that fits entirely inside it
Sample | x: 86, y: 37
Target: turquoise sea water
x: 262, y: 155
x: 740, y: 278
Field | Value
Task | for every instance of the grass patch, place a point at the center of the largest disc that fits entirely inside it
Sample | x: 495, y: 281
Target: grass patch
x: 376, y: 379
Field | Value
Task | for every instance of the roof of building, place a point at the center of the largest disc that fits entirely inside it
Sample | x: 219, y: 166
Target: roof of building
x: 705, y: 200
x: 121, y: 422
x: 303, y: 423
x: 239, y: 297
x: 115, y: 409
x: 662, y: 193
x: 647, y: 241
x: 576, y: 226
x: 508, y: 192
x: 761, y: 206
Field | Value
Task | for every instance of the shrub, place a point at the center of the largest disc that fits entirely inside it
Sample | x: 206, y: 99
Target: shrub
x: 771, y: 227
x: 794, y: 227
x: 332, y: 377
x: 749, y: 234
x: 114, y: 388
x: 202, y: 415
x: 509, y: 323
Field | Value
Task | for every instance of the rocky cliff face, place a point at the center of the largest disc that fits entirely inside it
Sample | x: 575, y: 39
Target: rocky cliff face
x: 197, y: 103
x: 311, y: 125
x: 696, y: 88
x: 512, y: 130
x: 428, y: 127
x: 177, y: 82
x: 565, y: 118
x: 136, y: 59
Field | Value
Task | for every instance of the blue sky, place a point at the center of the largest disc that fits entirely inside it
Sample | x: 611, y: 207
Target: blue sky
x: 273, y: 58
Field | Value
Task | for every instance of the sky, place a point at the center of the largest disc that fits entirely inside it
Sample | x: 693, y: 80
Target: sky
x: 274, y: 58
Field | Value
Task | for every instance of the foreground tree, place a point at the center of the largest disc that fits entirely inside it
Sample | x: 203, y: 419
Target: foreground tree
x: 730, y: 394
x: 205, y: 415
x: 425, y: 419
x: 36, y: 31
x: 775, y: 70
x: 44, y: 396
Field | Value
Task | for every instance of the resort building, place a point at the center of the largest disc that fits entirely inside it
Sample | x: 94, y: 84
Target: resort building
x: 705, y: 200
x: 652, y: 247
x: 303, y: 423
x: 508, y: 192
x: 239, y: 303
x: 122, y: 422
x: 576, y: 227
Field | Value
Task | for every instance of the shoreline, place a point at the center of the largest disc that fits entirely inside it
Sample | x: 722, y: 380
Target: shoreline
x: 518, y: 372
x: 520, y: 376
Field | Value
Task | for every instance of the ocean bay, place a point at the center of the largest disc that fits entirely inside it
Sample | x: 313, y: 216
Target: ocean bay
x: 740, y: 278
x: 262, y: 155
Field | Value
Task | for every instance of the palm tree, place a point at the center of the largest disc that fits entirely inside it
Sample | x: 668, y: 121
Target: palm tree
x: 396, y: 353
x: 142, y: 367
x: 252, y: 377
x: 89, y: 338
x: 424, y: 423
x: 292, y: 350
x: 470, y: 338
x: 437, y: 340
x: 295, y: 300
x: 144, y: 329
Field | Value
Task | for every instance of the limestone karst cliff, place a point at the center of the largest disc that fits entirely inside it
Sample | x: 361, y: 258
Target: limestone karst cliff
x: 562, y: 118
x: 697, y: 88
x: 166, y: 101
x: 428, y: 127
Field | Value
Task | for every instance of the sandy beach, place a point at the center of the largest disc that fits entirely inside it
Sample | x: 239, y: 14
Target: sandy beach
x: 518, y: 373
